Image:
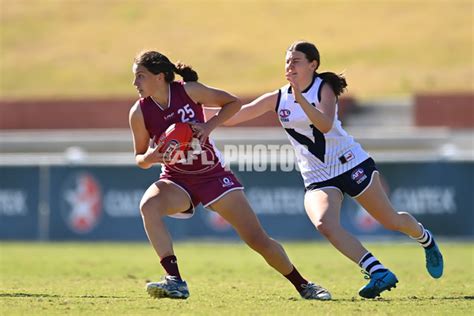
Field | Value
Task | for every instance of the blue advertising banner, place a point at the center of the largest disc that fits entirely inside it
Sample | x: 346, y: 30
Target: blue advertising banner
x: 438, y: 194
x: 102, y: 203
x: 19, y: 203
x: 97, y: 203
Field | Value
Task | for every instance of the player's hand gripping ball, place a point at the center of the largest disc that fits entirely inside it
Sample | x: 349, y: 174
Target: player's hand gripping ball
x: 175, y: 141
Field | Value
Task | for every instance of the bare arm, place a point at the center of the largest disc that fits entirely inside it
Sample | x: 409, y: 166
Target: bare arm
x: 259, y: 106
x: 227, y: 103
x: 145, y: 152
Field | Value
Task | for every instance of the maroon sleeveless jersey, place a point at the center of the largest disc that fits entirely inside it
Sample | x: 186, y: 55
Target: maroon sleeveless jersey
x: 203, y: 160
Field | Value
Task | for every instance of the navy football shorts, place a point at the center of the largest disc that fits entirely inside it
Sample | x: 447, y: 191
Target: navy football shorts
x: 353, y: 182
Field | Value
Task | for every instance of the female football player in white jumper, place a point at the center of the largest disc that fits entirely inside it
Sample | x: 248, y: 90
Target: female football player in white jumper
x: 332, y: 164
x: 163, y: 102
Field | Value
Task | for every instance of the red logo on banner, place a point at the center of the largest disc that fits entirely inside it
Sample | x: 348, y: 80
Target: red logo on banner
x: 83, y: 203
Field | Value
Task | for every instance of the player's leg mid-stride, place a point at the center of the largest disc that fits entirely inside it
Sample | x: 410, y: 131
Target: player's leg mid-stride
x: 382, y: 279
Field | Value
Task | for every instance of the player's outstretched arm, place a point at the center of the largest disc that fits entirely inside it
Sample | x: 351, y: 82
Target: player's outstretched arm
x: 257, y: 107
x: 212, y: 97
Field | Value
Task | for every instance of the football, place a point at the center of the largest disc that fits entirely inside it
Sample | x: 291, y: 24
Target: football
x: 175, y: 139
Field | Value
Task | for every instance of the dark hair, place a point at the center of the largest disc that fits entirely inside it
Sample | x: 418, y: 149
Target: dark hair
x: 337, y: 82
x: 157, y: 63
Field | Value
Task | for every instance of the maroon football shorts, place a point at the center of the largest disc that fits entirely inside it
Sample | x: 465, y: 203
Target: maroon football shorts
x: 205, y: 190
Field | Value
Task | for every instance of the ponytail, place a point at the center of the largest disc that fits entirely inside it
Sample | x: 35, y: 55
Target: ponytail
x: 158, y: 63
x: 337, y: 82
x: 186, y: 72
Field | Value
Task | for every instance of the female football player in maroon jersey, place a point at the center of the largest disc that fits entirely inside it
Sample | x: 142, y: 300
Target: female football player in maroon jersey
x: 183, y: 185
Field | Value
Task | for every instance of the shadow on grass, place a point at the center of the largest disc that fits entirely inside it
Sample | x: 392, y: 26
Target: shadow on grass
x: 39, y: 295
x: 27, y: 295
x: 353, y: 299
x: 406, y: 299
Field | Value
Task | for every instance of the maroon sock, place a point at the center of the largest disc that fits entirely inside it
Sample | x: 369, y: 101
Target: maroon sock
x: 170, y: 264
x: 296, y: 279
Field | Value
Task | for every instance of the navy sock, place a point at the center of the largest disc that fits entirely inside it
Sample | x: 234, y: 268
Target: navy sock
x: 426, y: 240
x: 370, y: 264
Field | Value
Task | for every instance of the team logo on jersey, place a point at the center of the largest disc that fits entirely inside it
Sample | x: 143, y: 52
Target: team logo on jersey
x: 81, y: 206
x: 284, y: 115
x: 348, y: 156
x: 226, y: 182
x: 358, y: 175
x: 169, y: 116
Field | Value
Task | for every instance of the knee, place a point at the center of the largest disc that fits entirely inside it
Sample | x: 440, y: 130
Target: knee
x: 325, y: 228
x: 150, y: 207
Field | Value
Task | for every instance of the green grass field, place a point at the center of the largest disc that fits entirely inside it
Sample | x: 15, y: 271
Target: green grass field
x: 52, y: 48
x: 224, y: 279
